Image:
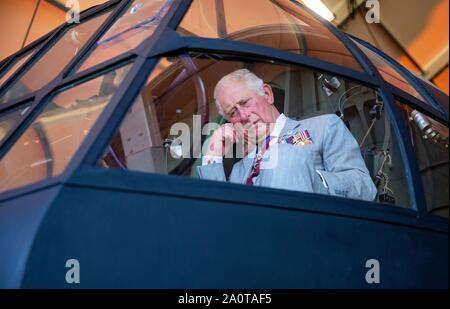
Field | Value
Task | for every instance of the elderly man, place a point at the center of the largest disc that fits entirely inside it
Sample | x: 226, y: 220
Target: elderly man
x: 313, y: 155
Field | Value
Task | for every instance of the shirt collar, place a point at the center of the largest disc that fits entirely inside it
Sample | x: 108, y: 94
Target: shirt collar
x: 279, y: 125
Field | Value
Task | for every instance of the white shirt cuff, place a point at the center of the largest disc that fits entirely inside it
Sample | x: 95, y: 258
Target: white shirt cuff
x: 323, y: 179
x: 211, y: 160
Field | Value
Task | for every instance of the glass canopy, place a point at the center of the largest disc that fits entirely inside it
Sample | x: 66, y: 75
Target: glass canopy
x: 55, y: 59
x: 51, y: 140
x: 161, y: 59
x: 278, y: 24
x: 135, y: 25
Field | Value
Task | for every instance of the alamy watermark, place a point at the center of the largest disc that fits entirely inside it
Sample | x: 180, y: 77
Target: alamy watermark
x: 373, y: 274
x: 73, y: 274
x: 373, y: 12
x: 73, y: 12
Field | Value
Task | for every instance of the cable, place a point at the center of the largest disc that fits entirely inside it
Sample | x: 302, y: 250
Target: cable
x: 116, y: 158
x: 341, y: 105
x: 367, y: 133
x: 31, y: 23
x: 342, y: 95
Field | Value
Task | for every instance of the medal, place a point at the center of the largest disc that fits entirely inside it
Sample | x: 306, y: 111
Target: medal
x: 300, y: 138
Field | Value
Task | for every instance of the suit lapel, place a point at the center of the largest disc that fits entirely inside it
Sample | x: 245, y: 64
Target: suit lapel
x: 289, y: 127
x: 247, y: 163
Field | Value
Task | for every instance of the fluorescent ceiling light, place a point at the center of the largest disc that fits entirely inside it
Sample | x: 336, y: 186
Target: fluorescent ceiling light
x: 320, y: 8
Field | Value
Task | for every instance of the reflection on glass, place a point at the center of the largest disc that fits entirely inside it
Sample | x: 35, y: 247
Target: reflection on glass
x: 49, y: 143
x: 179, y: 94
x: 15, y: 67
x: 278, y: 24
x: 10, y: 119
x: 132, y: 28
x: 54, y: 61
x: 389, y: 73
x: 430, y: 141
x: 435, y: 92
x: 441, y: 80
x: 139, y: 143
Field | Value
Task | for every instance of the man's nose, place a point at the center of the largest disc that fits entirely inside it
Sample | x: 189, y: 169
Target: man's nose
x: 243, y: 115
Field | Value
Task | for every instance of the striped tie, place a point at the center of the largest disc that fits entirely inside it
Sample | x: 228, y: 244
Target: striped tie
x: 256, y: 169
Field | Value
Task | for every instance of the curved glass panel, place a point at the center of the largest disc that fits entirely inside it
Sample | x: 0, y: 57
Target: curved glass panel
x: 9, y: 119
x: 54, y: 60
x: 441, y: 80
x: 137, y: 23
x: 278, y: 24
x: 430, y: 141
x: 15, y: 67
x: 389, y: 73
x: 49, y: 143
x: 169, y: 127
x: 435, y: 92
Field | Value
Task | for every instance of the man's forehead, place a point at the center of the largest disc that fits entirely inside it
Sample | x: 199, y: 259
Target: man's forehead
x: 233, y: 92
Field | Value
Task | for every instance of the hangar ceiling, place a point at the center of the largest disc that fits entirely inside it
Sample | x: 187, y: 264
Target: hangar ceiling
x: 414, y: 32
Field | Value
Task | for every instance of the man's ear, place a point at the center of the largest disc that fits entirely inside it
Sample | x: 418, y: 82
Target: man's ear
x: 268, y: 93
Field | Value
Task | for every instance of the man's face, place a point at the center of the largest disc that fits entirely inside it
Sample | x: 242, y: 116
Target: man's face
x: 244, y: 106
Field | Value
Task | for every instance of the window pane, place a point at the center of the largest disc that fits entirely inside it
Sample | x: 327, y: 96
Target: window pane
x: 278, y: 24
x: 167, y: 129
x: 10, y: 119
x: 132, y: 28
x: 436, y: 93
x: 15, y: 67
x: 441, y: 80
x: 430, y: 141
x: 54, y: 61
x: 47, y: 17
x: 389, y: 73
x: 49, y: 143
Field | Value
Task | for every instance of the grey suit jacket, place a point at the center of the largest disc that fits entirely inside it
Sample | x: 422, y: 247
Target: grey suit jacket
x: 334, y: 152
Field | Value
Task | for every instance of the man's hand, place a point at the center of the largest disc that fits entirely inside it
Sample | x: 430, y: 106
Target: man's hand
x: 222, y: 140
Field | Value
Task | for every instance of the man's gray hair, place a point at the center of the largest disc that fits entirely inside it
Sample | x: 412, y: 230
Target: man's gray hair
x: 252, y: 81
